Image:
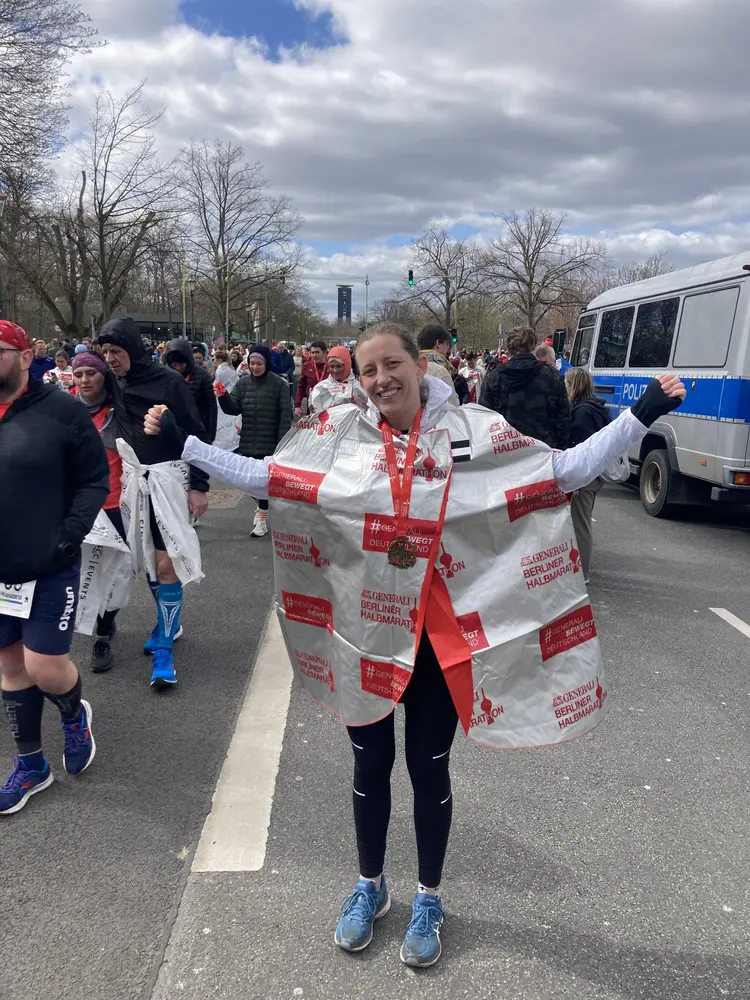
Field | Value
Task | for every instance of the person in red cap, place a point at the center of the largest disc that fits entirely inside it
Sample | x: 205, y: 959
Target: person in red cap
x: 58, y: 486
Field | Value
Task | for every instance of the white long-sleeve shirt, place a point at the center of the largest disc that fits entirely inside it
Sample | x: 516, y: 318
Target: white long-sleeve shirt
x: 574, y: 468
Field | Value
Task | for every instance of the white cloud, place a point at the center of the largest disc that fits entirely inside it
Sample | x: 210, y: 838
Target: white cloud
x: 629, y: 114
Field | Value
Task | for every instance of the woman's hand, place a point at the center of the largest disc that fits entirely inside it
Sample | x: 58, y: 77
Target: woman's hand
x: 672, y: 386
x: 152, y: 420
x: 663, y: 394
x: 220, y: 390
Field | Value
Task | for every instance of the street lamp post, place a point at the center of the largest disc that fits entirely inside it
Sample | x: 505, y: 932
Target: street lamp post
x: 367, y: 298
x: 3, y: 197
x: 191, y: 292
x: 226, y: 328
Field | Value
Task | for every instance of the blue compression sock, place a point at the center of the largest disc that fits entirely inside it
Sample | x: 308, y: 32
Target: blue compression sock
x: 170, y: 607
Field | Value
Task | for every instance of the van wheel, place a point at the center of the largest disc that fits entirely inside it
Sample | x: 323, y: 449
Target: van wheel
x: 656, y: 479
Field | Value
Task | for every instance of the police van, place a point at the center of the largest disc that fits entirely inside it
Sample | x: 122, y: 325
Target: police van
x: 696, y: 324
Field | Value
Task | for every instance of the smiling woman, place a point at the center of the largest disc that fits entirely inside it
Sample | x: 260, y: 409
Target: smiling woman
x: 474, y: 609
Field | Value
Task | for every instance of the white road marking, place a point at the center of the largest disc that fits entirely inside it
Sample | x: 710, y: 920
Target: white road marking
x: 732, y: 620
x: 235, y: 833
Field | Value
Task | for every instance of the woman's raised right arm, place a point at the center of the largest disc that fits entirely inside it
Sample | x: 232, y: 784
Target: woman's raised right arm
x: 247, y: 474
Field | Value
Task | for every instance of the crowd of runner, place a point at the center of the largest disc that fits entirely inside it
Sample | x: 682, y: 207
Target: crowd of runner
x: 108, y: 447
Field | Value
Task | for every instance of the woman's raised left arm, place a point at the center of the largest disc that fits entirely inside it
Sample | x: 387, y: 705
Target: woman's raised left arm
x: 577, y: 467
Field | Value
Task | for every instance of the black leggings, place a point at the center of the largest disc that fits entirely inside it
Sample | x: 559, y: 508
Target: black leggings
x: 105, y: 622
x: 431, y: 721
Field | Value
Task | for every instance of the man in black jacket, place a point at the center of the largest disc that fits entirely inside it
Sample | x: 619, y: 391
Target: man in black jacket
x: 54, y: 481
x: 530, y: 395
x: 144, y: 384
x: 180, y: 357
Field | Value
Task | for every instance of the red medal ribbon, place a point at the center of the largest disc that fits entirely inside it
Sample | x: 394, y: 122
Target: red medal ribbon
x: 401, y: 487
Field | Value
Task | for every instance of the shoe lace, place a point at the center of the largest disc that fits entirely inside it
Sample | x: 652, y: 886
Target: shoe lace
x: 426, y: 918
x: 361, y: 905
x: 76, y: 732
x: 16, y: 777
x: 100, y: 646
x: 161, y: 659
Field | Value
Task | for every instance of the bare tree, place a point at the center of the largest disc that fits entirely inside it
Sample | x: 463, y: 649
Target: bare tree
x: 532, y: 266
x: 582, y: 288
x: 638, y: 270
x: 42, y: 242
x: 155, y: 285
x: 445, y: 271
x: 36, y: 39
x: 129, y: 188
x: 241, y: 236
x: 399, y: 308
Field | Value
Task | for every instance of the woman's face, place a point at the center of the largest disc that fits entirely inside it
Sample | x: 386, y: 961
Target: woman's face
x: 299, y: 353
x: 90, y: 383
x: 390, y: 377
x: 61, y: 361
x: 336, y: 369
x: 257, y: 365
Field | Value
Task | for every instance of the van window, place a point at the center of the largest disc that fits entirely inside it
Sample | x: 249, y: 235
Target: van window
x: 614, y: 334
x: 705, y: 329
x: 654, y: 333
x: 581, y: 353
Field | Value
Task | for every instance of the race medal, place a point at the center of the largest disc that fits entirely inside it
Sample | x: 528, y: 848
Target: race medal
x: 402, y: 553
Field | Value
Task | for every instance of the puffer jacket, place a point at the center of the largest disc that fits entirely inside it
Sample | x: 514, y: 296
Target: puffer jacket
x: 266, y: 408
x: 532, y: 398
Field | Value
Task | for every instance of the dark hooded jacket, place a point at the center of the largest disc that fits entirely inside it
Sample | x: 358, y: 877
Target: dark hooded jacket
x: 265, y: 405
x: 532, y: 398
x: 149, y: 384
x: 588, y: 417
x: 199, y: 382
x: 53, y: 483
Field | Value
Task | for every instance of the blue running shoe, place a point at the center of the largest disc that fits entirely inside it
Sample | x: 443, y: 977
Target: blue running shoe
x: 149, y: 645
x: 21, y: 785
x: 163, y: 674
x: 422, y: 947
x: 365, y: 905
x: 80, y: 747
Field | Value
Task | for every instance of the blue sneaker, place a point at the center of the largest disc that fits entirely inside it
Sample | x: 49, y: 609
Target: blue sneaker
x: 149, y: 646
x: 80, y: 747
x: 163, y: 674
x: 422, y: 947
x: 21, y: 785
x: 365, y: 905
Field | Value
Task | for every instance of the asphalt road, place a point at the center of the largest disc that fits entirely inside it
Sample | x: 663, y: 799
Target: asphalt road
x: 612, y: 868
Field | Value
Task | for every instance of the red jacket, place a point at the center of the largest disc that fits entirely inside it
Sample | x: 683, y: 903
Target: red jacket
x: 309, y: 377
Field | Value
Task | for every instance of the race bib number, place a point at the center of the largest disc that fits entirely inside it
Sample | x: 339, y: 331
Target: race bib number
x: 16, y: 599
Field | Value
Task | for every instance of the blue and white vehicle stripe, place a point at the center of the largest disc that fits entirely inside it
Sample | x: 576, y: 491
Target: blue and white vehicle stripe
x: 725, y: 398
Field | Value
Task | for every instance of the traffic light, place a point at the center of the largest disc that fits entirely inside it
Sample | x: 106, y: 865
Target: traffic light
x: 411, y: 277
x: 454, y: 335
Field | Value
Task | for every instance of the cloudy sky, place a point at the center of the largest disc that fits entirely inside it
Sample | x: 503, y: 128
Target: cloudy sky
x: 378, y: 116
